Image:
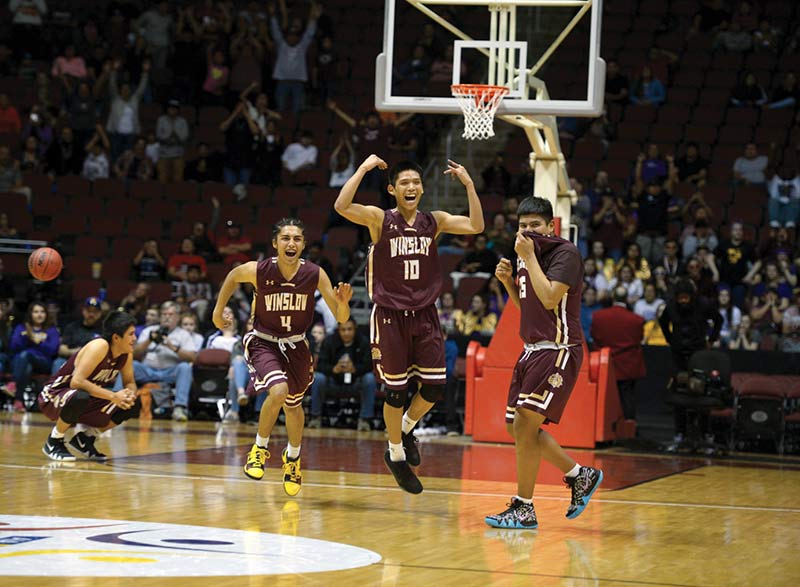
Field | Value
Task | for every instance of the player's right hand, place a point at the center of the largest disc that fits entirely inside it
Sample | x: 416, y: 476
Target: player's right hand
x: 219, y: 321
x: 372, y: 162
x: 504, y: 271
x: 124, y: 399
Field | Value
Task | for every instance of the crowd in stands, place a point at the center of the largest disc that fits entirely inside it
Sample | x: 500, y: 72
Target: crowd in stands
x: 242, y: 96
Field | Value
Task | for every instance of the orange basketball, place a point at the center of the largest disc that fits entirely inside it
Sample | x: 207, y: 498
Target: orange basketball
x: 45, y: 264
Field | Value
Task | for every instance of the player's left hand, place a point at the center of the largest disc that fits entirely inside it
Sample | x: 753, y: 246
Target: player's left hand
x: 343, y: 291
x: 455, y: 170
x: 524, y: 246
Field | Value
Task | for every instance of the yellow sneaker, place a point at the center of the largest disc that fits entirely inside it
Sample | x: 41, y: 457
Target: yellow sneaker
x: 256, y: 461
x: 292, y: 476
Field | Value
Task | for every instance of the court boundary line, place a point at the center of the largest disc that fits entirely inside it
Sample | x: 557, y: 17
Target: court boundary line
x: 395, y: 488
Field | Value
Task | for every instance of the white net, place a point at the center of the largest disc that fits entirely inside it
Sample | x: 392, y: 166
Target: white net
x: 479, y: 103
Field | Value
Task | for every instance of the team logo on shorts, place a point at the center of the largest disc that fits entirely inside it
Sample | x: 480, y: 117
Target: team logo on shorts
x: 555, y: 380
x: 376, y: 354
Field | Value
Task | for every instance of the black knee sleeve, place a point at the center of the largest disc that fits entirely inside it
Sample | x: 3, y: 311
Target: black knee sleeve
x: 120, y: 416
x: 396, y: 397
x: 431, y: 393
x: 75, y: 406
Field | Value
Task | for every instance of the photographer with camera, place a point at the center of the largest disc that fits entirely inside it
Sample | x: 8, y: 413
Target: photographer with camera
x: 685, y: 324
x: 164, y: 352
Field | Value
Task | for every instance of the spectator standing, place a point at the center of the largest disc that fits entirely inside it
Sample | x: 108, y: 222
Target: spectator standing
x: 240, y: 147
x: 206, y: 166
x: 134, y: 163
x: 165, y: 352
x: 735, y: 256
x: 647, y: 306
x: 155, y: 26
x: 65, y: 155
x: 731, y: 317
x: 78, y: 333
x: 96, y: 165
x: 123, y: 119
x: 622, y: 331
x: 301, y: 154
x: 194, y: 292
x: 784, y: 198
x: 651, y: 166
x: 608, y: 223
x: 33, y: 346
x: 647, y: 89
x: 179, y: 263
x: 148, y: 263
x: 26, y: 25
x: 345, y: 364
x: 496, y: 178
x: 69, y: 67
x: 478, y: 262
x: 342, y: 163
x: 291, y: 72
x: 10, y: 122
x: 652, y: 217
x: 82, y: 108
x: 216, y: 83
x: 234, y: 246
x: 172, y: 132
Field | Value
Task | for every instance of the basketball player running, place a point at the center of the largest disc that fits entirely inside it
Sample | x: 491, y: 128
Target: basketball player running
x: 548, y: 293
x: 77, y: 394
x: 404, y: 281
x: 276, y: 350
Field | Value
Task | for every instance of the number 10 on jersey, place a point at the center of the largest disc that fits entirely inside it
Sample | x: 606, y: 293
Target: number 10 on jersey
x: 411, y: 269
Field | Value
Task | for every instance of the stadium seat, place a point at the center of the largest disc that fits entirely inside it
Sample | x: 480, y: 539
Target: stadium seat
x: 181, y: 191
x: 106, y: 224
x: 73, y: 185
x: 109, y: 189
x: 145, y: 189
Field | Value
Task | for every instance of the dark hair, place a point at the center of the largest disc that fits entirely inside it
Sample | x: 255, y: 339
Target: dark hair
x: 195, y: 267
x: 29, y: 314
x: 533, y: 205
x: 117, y: 323
x: 401, y: 166
x: 287, y: 222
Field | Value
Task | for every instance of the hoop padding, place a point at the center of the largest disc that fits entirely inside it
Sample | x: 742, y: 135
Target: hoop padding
x: 479, y: 103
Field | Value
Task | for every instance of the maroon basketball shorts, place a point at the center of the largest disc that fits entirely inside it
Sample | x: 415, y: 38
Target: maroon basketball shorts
x: 407, y: 346
x: 98, y: 411
x: 269, y: 366
x: 543, y: 381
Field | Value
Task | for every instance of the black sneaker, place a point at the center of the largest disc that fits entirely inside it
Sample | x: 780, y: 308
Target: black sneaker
x: 519, y: 515
x: 412, y: 452
x: 403, y: 474
x: 583, y: 485
x: 55, y: 449
x: 84, y: 444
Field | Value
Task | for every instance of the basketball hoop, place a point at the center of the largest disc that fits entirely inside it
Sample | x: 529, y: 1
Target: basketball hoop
x: 478, y: 102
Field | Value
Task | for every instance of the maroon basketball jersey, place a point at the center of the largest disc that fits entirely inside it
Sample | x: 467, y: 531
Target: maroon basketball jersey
x: 403, y: 270
x: 560, y: 261
x: 285, y: 307
x: 103, y: 375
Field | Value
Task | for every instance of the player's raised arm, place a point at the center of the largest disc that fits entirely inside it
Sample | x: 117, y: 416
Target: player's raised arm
x: 369, y: 216
x: 244, y: 273
x: 337, y: 298
x: 505, y: 275
x: 457, y: 224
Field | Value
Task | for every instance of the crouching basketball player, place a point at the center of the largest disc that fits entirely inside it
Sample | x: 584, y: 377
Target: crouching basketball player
x: 276, y: 350
x: 78, y: 394
x: 548, y: 293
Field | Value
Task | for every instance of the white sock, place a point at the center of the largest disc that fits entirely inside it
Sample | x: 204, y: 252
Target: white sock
x: 397, y: 452
x: 523, y: 500
x: 56, y: 434
x: 262, y: 441
x: 292, y: 452
x: 573, y: 472
x: 91, y: 431
x: 408, y: 423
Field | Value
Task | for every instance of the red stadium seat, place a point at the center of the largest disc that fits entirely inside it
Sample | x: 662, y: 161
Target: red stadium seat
x: 109, y: 189
x: 91, y: 246
x: 145, y: 189
x: 181, y: 191
x: 73, y: 185
x: 106, y: 224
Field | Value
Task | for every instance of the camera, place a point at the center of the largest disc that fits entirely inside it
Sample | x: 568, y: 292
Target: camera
x: 707, y: 383
x: 157, y: 336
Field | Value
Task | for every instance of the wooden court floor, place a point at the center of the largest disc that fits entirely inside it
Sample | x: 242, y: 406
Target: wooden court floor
x: 656, y: 520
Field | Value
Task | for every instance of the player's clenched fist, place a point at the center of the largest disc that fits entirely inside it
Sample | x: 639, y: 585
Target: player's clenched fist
x: 504, y: 271
x: 372, y: 162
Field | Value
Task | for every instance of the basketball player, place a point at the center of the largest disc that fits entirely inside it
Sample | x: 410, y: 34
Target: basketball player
x: 276, y: 350
x: 404, y: 281
x: 548, y: 293
x: 77, y: 393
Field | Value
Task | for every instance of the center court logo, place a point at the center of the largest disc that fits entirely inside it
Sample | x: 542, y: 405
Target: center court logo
x: 86, y: 547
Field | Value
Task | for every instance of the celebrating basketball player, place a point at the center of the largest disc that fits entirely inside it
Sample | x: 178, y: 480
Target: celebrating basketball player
x: 78, y: 394
x: 404, y: 281
x: 276, y: 350
x: 548, y: 293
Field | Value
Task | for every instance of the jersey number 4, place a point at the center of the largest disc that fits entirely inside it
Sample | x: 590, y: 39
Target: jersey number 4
x: 411, y: 269
x: 286, y: 322
x: 523, y: 287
